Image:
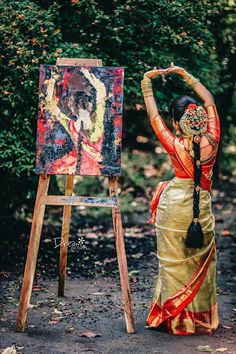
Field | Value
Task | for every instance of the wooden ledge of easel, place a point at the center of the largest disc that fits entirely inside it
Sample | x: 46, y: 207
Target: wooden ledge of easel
x: 77, y: 200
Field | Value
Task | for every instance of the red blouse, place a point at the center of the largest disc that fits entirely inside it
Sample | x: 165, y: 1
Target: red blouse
x: 181, y: 160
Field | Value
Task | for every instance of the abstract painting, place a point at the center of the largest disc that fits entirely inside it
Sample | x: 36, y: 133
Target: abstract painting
x: 79, y: 127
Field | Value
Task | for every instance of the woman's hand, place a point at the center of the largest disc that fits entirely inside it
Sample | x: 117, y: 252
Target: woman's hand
x: 177, y: 70
x: 173, y: 69
x: 155, y: 72
x: 200, y: 89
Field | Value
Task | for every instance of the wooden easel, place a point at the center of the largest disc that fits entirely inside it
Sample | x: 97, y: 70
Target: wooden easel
x: 43, y: 199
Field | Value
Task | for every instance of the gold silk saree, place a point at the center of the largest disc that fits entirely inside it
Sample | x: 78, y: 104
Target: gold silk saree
x: 184, y: 299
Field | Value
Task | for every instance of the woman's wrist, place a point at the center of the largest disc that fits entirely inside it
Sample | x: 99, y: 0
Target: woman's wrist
x: 145, y: 76
x: 185, y: 74
x: 146, y: 86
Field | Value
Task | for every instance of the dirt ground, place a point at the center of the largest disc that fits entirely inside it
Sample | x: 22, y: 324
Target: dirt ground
x: 93, y: 298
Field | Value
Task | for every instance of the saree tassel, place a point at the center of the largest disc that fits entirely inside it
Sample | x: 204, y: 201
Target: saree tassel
x: 195, y: 237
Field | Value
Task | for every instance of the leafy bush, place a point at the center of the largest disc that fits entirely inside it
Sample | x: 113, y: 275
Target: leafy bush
x: 135, y: 34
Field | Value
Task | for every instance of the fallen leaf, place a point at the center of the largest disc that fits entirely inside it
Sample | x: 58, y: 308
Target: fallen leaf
x: 221, y: 350
x: 204, y: 348
x: 137, y: 255
x: 226, y: 212
x: 226, y: 233
x: 37, y: 288
x: 69, y: 329
x: 10, y: 350
x: 57, y: 312
x: 67, y: 312
x: 89, y: 334
x: 98, y: 293
x: 58, y: 318
x: 54, y: 321
x: 227, y: 327
x: 91, y: 235
x: 47, y: 240
x: 133, y: 273
x: 31, y: 306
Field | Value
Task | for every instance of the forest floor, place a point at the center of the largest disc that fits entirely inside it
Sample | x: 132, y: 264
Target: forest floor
x: 89, y: 319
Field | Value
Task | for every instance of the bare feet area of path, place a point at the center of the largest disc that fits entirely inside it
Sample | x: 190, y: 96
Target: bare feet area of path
x: 90, y: 319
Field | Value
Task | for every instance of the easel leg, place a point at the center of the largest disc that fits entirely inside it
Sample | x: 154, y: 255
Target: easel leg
x: 32, y: 253
x: 122, y: 260
x: 65, y: 237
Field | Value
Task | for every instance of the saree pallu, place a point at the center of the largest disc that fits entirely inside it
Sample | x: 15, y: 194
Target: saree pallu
x: 184, y: 300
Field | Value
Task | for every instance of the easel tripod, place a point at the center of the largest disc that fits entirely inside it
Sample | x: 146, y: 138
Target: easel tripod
x: 43, y: 199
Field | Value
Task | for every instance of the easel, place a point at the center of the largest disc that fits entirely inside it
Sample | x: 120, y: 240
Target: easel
x: 43, y: 199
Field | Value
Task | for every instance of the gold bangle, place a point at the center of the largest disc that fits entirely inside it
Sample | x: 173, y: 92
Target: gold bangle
x: 194, y: 83
x: 188, y: 78
x: 147, y: 94
x: 146, y: 86
x: 146, y: 80
x: 191, y: 80
x: 145, y: 90
x: 151, y: 95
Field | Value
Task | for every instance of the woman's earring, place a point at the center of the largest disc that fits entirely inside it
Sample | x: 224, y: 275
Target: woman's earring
x: 178, y: 132
x: 177, y: 129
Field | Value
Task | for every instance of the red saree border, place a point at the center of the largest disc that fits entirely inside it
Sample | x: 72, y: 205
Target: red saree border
x: 176, y: 303
x: 189, y: 322
x: 155, y: 201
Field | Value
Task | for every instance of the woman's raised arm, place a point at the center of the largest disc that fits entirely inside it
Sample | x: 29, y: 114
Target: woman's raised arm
x: 213, y: 125
x: 165, y: 136
x: 198, y: 87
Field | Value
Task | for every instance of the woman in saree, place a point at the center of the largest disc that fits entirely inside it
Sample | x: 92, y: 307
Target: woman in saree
x: 184, y: 301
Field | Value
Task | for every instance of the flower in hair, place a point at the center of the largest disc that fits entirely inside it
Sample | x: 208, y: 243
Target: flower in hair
x: 194, y: 120
x: 192, y: 105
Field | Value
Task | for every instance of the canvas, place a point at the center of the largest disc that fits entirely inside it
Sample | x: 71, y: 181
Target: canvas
x: 79, y: 128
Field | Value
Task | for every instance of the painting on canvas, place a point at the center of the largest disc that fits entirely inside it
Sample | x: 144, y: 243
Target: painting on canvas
x: 79, y: 128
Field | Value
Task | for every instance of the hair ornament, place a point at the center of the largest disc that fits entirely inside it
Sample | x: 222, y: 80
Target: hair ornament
x: 194, y: 121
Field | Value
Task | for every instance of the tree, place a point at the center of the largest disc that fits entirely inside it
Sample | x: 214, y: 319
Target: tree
x: 134, y: 34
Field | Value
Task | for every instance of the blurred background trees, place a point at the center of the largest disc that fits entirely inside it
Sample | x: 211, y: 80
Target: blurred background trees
x: 138, y: 35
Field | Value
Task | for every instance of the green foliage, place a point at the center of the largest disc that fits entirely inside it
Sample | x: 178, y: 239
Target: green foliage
x: 141, y: 34
x: 30, y: 36
x: 137, y: 35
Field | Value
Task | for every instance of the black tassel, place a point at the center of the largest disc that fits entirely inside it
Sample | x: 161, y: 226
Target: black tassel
x: 195, y: 237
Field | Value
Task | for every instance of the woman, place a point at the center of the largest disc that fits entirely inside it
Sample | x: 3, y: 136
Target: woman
x: 184, y: 300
